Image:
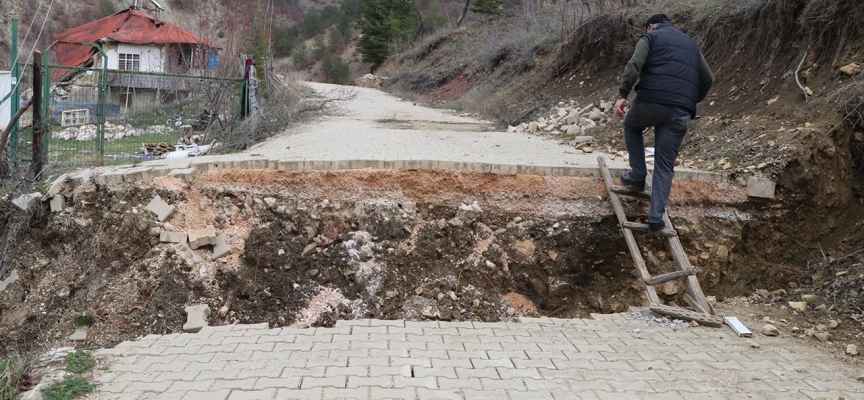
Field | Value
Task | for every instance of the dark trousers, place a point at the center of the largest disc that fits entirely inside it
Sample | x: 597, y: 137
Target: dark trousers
x: 670, y: 125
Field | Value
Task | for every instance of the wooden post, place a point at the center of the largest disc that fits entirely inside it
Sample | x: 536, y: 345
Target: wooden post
x: 37, y: 162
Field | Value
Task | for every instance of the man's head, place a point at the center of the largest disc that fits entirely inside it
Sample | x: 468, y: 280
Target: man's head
x: 656, y: 19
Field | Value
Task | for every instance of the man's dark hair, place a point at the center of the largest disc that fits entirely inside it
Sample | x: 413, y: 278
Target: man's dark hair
x: 657, y: 19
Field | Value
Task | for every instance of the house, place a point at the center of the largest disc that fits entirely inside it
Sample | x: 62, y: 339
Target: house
x: 140, y: 50
x: 135, y: 41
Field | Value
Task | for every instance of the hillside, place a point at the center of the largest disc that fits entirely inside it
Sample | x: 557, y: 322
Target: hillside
x: 539, y: 64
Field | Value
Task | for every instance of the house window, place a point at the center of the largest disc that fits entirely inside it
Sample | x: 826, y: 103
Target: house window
x: 130, y: 62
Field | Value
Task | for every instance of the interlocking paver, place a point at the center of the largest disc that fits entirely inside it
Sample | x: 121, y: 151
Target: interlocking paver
x: 562, y: 364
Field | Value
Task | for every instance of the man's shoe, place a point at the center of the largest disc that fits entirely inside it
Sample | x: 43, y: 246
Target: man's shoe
x: 633, y: 183
x: 655, y: 228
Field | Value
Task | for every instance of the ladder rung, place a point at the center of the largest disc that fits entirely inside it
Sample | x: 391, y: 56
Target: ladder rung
x: 658, y: 279
x: 637, y: 227
x: 630, y: 192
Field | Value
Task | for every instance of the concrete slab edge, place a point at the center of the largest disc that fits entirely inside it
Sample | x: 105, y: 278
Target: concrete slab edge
x: 111, y: 176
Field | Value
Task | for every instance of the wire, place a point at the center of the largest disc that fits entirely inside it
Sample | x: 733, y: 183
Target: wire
x: 33, y: 49
x: 26, y: 34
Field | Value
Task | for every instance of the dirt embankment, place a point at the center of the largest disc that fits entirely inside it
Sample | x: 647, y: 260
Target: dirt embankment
x: 315, y: 247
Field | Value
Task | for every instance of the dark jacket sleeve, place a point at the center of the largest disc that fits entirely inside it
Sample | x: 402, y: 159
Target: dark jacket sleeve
x: 706, y: 79
x: 634, y: 67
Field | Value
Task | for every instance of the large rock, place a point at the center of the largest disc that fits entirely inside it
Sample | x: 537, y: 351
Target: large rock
x: 760, y: 187
x: 196, y: 318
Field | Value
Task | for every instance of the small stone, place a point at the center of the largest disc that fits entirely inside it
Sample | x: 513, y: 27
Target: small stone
x: 440, y: 296
x: 281, y: 252
x: 850, y: 69
x: 313, y: 273
x: 796, y: 329
x: 80, y: 335
x: 821, y: 328
x: 694, y: 324
x: 196, y: 318
x: 808, y: 297
x: 821, y: 307
x: 453, y: 296
x: 588, y: 149
x: 517, y: 220
x: 763, y: 293
x: 778, y: 293
x: 833, y: 324
x: 476, y: 303
x: 172, y: 237
x: 511, y: 311
x: 308, y: 249
x: 770, y: 330
x: 798, y: 305
x: 822, y: 336
x: 418, y: 291
x: 223, y: 311
x: 553, y: 255
x: 391, y: 294
x: 456, y: 222
x: 63, y: 293
x: 490, y: 265
x: 58, y: 203
x: 861, y: 378
x: 270, y: 202
x: 754, y: 345
x: 851, y: 350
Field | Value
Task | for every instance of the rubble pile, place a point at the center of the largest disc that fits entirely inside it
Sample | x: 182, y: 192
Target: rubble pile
x: 112, y: 132
x: 369, y: 81
x: 568, y: 119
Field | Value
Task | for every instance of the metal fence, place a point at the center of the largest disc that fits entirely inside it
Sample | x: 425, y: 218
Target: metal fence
x: 96, y: 116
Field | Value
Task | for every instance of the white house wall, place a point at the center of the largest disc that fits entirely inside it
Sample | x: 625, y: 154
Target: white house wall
x: 152, y: 57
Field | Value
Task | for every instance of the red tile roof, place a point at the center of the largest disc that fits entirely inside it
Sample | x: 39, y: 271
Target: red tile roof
x: 128, y: 26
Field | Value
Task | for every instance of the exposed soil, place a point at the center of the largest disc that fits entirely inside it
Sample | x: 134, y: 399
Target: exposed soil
x: 312, y: 248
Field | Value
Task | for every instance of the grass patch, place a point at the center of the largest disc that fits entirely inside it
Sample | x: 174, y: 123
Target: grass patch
x: 69, y: 388
x: 80, y: 362
x: 14, y: 375
x: 84, y: 320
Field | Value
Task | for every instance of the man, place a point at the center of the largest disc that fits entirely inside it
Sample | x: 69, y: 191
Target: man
x: 673, y: 77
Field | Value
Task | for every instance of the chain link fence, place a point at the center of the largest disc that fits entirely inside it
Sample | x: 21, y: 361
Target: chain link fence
x: 99, y: 117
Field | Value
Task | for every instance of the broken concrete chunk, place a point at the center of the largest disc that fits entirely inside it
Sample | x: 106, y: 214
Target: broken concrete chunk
x: 185, y: 249
x: 80, y: 335
x: 202, y: 237
x: 172, y: 237
x: 220, y: 248
x: 187, y: 174
x: 159, y: 207
x: 82, y: 177
x: 760, y: 187
x: 196, y: 318
x: 57, y: 187
x: 23, y: 201
x: 58, y: 203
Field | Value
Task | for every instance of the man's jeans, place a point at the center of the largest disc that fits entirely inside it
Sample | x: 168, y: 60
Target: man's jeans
x: 670, y: 125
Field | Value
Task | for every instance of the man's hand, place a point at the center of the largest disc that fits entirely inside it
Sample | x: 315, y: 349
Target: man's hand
x: 619, y: 107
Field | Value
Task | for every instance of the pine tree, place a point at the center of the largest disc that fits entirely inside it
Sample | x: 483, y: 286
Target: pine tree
x: 385, y: 22
x: 489, y: 7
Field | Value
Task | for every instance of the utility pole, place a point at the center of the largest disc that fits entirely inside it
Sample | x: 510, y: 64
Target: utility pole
x: 37, y: 162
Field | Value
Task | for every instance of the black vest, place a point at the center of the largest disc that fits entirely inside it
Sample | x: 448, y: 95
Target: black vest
x: 670, y: 75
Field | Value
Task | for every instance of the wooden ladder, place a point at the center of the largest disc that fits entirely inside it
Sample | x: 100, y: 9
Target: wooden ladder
x: 701, y: 310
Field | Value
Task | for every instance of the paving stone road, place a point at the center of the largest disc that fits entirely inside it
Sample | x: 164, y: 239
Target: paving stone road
x: 620, y: 356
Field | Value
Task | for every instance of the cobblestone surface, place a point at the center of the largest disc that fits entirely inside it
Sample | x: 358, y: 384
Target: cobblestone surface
x: 608, y: 357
